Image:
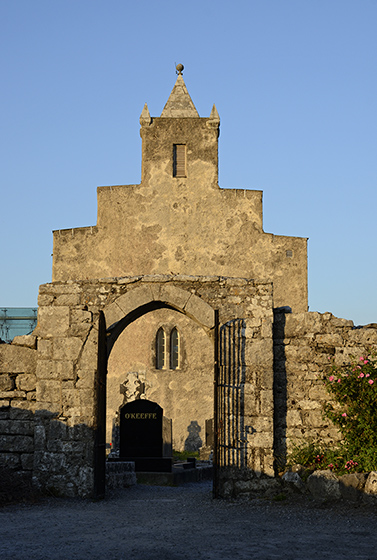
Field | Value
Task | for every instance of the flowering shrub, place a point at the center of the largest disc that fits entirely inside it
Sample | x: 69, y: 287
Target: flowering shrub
x: 354, y: 410
x: 314, y: 456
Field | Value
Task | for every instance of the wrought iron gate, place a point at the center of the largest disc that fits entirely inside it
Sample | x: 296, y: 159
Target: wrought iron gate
x: 231, y: 442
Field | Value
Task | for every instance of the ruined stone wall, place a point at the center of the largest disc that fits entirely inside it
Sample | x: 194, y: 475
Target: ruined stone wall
x: 17, y: 404
x: 305, y: 346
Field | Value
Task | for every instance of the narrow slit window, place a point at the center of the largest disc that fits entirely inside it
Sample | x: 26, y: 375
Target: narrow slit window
x: 174, y: 349
x: 179, y: 160
x: 160, y: 348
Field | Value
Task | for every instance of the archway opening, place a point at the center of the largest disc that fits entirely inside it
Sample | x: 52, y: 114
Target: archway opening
x: 158, y: 353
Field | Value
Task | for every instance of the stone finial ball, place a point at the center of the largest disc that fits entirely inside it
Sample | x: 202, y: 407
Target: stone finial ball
x: 180, y: 68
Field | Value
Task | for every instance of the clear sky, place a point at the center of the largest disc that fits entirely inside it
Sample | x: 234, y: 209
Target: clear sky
x: 294, y: 82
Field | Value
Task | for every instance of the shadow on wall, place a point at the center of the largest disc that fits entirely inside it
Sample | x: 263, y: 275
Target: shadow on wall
x: 193, y: 441
x: 56, y: 458
x: 280, y: 391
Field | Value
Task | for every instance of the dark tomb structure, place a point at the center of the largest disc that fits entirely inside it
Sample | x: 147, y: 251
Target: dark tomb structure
x: 146, y: 436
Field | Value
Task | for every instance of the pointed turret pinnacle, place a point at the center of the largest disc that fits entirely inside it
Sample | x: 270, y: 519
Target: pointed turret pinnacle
x: 145, y: 117
x: 179, y: 103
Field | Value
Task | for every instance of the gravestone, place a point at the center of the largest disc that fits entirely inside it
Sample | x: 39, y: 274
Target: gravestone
x: 145, y: 436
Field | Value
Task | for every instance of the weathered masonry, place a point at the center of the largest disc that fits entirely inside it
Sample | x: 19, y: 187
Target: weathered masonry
x: 177, y: 296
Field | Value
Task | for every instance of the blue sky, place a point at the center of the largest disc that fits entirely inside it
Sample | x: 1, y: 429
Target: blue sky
x: 295, y: 85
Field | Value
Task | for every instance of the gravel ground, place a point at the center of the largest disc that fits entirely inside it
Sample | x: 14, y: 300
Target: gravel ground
x: 164, y: 523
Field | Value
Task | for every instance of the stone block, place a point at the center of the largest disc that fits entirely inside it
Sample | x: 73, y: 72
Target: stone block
x: 71, y: 397
x: 44, y: 348
x: 88, y: 357
x: 266, y: 401
x: 293, y: 480
x: 12, y: 395
x: 129, y: 301
x: 67, y: 300
x: 260, y: 423
x: 324, y: 485
x: 314, y: 418
x: 85, y: 379
x: 21, y: 411
x: 251, y: 400
x: 265, y: 378
x: 17, y: 359
x: 10, y: 461
x: 259, y: 353
x: 81, y: 317
x: 29, y: 406
x: 47, y: 369
x: 318, y: 392
x: 39, y: 437
x: 16, y: 443
x: 6, y: 382
x: 26, y: 382
x: 307, y: 404
x: 28, y: 340
x: 67, y: 349
x: 56, y: 288
x: 27, y: 461
x: 371, y: 484
x: 4, y: 411
x: 86, y: 396
x: 351, y: 486
x: 266, y: 330
x: 19, y: 427
x: 338, y: 322
x: 363, y: 336
x: 57, y: 430
x: 344, y: 356
x: 52, y: 321
x: 262, y: 439
x: 65, y: 370
x: 45, y: 300
x: 294, y: 418
x: 200, y: 311
x: 299, y: 324
x: 48, y: 391
x: 329, y: 339
x: 171, y: 294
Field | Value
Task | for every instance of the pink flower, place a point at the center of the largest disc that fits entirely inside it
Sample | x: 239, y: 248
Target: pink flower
x: 370, y: 381
x: 365, y: 361
x: 344, y: 414
x: 338, y: 380
x: 367, y: 375
x: 361, y: 375
x: 361, y: 358
x: 331, y: 378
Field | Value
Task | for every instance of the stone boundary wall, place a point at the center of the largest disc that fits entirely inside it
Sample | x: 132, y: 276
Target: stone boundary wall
x: 17, y: 404
x: 305, y: 346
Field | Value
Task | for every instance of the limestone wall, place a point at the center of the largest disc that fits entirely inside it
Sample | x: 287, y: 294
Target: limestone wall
x: 17, y: 404
x: 305, y: 346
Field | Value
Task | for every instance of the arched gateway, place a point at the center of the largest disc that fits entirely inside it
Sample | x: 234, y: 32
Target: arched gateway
x: 76, y: 340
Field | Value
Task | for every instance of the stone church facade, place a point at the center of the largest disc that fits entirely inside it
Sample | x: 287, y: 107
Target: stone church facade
x: 176, y: 295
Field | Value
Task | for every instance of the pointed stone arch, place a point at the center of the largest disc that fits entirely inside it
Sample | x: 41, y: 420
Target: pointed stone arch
x: 143, y: 299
